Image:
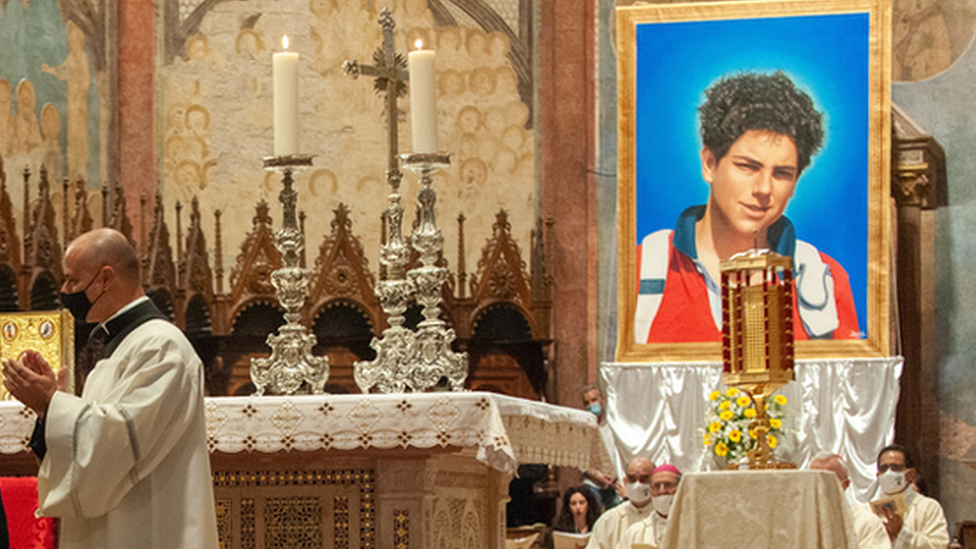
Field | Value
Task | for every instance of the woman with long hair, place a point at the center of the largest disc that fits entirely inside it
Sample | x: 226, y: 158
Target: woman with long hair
x: 579, y: 511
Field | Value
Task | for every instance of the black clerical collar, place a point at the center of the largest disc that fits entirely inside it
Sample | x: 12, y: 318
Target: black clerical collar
x: 122, y: 324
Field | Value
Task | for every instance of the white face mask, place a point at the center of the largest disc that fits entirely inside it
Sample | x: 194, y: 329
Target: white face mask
x: 662, y: 504
x: 892, y: 482
x: 638, y: 492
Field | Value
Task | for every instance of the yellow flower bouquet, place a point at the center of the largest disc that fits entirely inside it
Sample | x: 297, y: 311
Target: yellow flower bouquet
x: 729, y: 434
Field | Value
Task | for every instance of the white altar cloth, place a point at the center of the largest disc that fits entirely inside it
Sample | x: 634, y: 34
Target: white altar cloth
x: 504, y: 431
x: 760, y: 509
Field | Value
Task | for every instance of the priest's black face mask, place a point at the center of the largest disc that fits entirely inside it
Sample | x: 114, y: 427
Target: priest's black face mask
x: 78, y: 303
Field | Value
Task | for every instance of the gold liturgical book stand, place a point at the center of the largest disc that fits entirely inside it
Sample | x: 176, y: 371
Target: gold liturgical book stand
x: 51, y: 333
x: 757, y: 337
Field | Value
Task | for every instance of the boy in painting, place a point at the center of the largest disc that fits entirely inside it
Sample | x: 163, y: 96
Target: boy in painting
x: 758, y: 134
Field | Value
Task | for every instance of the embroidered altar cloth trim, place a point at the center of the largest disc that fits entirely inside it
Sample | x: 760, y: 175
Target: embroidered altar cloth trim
x: 503, y: 431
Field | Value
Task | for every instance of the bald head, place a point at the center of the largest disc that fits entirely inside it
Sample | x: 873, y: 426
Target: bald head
x: 638, y: 478
x: 105, y: 247
x: 104, y: 265
x: 639, y: 470
x: 834, y: 463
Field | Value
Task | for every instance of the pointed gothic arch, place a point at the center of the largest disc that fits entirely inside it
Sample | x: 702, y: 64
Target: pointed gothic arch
x: 163, y: 301
x: 503, y: 353
x: 198, y: 317
x: 45, y: 294
x: 8, y: 290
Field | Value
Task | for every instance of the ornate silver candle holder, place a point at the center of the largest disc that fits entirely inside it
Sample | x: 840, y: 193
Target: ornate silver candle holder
x: 432, y: 357
x: 393, y: 347
x: 291, y: 368
x: 406, y: 360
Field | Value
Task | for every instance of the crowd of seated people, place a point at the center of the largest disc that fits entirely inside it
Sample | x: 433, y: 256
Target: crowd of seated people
x: 641, y: 520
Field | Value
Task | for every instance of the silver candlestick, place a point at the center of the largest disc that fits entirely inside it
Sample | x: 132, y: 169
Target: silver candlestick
x: 291, y: 368
x: 385, y: 372
x: 431, y: 356
x: 406, y: 360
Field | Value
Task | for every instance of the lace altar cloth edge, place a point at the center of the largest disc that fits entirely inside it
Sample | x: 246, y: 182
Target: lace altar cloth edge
x: 504, y: 431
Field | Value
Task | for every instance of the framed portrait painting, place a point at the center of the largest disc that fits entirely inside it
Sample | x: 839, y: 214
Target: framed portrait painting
x: 749, y: 125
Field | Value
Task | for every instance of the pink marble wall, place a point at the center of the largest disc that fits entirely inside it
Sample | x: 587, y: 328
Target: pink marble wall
x: 137, y: 105
x: 567, y: 189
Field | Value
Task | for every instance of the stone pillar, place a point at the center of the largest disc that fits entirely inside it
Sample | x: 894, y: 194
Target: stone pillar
x: 567, y: 189
x: 919, y: 187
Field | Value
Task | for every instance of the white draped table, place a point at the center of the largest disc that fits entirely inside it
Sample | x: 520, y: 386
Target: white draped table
x: 760, y: 509
x: 843, y: 406
x: 357, y: 471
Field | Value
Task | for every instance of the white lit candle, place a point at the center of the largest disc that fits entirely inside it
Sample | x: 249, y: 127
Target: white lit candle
x: 423, y: 100
x: 285, y: 101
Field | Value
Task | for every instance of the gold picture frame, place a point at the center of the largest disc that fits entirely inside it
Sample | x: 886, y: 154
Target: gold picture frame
x: 50, y: 333
x: 656, y: 47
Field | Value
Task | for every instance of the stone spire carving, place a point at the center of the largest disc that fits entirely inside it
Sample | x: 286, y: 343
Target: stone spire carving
x: 251, y: 275
x: 42, y: 249
x: 501, y: 272
x: 341, y: 269
x: 159, y: 269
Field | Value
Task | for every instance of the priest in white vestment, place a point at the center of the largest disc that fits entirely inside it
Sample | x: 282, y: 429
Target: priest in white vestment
x: 125, y: 466
x: 868, y: 527
x: 610, y: 527
x: 651, y: 530
x: 924, y: 524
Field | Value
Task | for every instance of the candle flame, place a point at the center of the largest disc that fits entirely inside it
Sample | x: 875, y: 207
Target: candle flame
x: 419, y: 43
x: 284, y: 41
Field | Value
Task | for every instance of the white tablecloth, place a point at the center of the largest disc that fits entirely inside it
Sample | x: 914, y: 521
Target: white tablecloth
x: 843, y: 406
x: 503, y: 431
x: 771, y: 509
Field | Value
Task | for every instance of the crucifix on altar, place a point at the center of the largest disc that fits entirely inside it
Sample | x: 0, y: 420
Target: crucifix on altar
x: 407, y: 360
x: 390, y: 80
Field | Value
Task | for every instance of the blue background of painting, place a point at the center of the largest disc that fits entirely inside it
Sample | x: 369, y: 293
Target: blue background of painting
x: 826, y: 56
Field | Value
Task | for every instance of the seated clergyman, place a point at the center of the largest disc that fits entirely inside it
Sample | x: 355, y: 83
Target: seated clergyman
x: 610, y: 527
x: 650, y: 531
x: 924, y: 524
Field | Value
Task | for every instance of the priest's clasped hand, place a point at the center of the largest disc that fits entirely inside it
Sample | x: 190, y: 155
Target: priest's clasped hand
x: 892, y: 523
x: 32, y: 381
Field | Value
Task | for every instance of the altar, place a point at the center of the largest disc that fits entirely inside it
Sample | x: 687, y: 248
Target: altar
x: 361, y: 471
x: 771, y: 508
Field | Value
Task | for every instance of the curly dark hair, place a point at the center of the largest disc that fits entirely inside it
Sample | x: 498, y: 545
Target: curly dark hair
x: 749, y: 101
x: 565, y: 523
